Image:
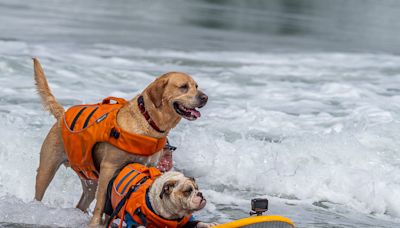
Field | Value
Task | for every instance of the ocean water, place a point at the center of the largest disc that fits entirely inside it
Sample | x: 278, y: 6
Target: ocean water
x: 312, y: 124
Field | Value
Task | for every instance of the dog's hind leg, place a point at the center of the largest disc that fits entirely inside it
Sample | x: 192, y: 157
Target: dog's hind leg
x: 106, y: 173
x: 51, y: 157
x: 89, y: 192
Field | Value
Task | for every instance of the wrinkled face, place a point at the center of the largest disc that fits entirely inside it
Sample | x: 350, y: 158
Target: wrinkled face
x: 183, y: 194
x: 179, y: 92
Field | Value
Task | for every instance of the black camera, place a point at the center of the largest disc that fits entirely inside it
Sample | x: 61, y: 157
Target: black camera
x: 259, y: 206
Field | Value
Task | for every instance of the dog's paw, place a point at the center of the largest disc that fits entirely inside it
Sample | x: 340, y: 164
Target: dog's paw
x: 205, y: 225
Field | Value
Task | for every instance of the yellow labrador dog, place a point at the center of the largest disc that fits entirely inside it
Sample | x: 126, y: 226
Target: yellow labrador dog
x: 167, y: 99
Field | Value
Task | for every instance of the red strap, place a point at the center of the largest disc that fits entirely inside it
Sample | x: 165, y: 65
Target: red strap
x: 147, y: 115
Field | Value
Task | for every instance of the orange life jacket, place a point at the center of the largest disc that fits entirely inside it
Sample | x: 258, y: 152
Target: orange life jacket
x: 88, y: 124
x: 128, y: 195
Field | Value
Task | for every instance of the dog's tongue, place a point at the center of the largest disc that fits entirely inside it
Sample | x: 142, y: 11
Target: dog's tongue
x: 165, y: 164
x: 195, y: 113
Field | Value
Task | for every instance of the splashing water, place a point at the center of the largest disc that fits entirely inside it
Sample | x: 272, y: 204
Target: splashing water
x: 315, y: 132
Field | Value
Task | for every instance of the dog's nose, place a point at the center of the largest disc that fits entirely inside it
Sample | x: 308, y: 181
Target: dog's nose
x: 203, y: 98
x: 200, y: 194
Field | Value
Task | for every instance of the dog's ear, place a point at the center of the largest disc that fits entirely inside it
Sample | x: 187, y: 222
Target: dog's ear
x: 194, y: 182
x: 156, y: 89
x: 167, y: 188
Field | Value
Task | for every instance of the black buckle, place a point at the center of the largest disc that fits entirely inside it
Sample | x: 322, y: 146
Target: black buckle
x: 169, y: 146
x: 114, y: 133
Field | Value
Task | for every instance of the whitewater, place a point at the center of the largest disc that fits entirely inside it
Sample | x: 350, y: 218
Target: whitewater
x: 315, y: 133
x: 313, y: 129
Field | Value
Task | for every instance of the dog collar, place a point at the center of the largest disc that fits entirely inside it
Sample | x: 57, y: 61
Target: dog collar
x: 147, y: 115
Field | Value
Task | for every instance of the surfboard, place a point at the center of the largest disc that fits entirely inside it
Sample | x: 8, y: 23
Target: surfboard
x: 264, y: 221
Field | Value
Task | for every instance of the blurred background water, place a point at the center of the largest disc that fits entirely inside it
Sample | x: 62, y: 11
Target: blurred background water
x: 255, y: 25
x: 304, y: 100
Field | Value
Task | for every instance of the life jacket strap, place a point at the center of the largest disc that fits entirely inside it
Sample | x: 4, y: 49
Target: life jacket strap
x: 139, y: 213
x: 123, y: 200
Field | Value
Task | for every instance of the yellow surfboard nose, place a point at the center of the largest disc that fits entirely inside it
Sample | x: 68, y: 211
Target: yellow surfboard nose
x: 264, y: 221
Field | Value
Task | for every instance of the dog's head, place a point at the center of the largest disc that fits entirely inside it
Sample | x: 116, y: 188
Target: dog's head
x: 177, y: 93
x: 177, y: 195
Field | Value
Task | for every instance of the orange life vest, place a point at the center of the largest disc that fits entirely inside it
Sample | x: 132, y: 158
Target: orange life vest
x: 88, y: 124
x: 130, y: 186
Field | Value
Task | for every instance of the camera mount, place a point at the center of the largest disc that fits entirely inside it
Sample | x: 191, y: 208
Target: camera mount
x: 258, y: 206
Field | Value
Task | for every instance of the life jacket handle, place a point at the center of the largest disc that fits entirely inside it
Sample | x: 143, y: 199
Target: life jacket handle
x: 108, y: 100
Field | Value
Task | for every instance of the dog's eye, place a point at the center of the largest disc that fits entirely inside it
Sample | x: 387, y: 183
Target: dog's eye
x: 184, y: 87
x: 197, y: 86
x: 189, y: 191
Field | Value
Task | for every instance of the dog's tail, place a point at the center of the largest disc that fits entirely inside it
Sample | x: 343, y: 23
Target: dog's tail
x: 48, y: 100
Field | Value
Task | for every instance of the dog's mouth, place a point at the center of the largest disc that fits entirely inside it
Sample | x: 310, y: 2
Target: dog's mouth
x: 185, y: 112
x: 202, y: 204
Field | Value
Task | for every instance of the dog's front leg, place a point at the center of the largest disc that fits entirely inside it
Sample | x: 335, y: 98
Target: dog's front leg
x: 107, y: 171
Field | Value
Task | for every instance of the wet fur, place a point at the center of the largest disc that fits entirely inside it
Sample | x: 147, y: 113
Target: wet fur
x: 157, y: 97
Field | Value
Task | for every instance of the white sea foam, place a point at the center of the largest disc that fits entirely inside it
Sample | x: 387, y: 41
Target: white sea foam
x: 306, y: 129
x: 14, y: 210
